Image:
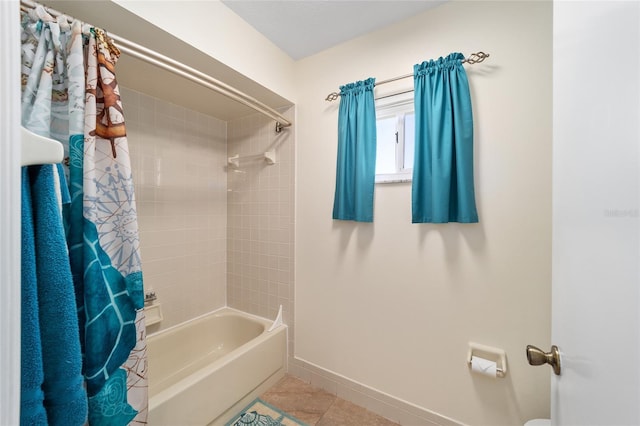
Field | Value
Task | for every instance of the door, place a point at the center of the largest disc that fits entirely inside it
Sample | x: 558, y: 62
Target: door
x: 9, y: 212
x: 595, y: 300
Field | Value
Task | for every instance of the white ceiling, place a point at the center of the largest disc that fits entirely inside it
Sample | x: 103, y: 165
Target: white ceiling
x: 304, y: 27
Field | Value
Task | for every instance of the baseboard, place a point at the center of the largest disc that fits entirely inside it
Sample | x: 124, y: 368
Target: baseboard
x: 385, y: 405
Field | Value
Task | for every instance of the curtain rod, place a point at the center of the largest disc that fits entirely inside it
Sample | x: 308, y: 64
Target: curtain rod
x: 475, y: 58
x: 185, y: 71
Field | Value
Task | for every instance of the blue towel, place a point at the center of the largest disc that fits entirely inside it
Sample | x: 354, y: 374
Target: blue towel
x: 64, y: 186
x: 32, y: 411
x: 65, y: 398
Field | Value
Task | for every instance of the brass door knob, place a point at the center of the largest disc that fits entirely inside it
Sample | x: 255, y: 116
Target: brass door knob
x: 536, y: 356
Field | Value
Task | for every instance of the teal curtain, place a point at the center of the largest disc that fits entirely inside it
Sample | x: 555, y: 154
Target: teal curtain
x: 443, y: 189
x: 356, y: 165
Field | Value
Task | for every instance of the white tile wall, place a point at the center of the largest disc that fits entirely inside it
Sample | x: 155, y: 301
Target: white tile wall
x: 260, y: 197
x: 178, y: 158
x: 212, y: 236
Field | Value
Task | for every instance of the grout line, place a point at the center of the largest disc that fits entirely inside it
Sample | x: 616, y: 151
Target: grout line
x: 310, y: 391
x: 326, y: 411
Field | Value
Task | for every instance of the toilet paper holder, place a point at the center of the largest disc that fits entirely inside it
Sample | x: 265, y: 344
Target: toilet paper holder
x: 496, y: 355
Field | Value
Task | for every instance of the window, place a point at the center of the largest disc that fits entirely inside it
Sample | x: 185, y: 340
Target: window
x: 395, y: 126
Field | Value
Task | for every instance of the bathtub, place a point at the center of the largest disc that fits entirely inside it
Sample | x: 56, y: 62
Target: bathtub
x: 206, y: 370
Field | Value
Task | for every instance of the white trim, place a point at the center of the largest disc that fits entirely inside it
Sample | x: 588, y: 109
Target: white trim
x: 10, y: 213
x: 388, y: 102
x: 402, y: 177
x: 381, y: 403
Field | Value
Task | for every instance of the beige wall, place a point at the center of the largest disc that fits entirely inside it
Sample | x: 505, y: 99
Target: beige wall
x: 178, y: 158
x: 392, y: 305
x: 213, y: 28
x: 260, y: 219
x: 389, y: 306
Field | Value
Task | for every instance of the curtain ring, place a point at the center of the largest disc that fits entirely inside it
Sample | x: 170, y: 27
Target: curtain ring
x: 42, y: 14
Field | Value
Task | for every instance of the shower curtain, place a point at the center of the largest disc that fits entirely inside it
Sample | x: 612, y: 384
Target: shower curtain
x: 81, y: 108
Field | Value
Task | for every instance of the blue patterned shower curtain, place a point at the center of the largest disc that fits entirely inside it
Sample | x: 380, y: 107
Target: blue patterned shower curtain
x: 52, y: 390
x: 83, y: 110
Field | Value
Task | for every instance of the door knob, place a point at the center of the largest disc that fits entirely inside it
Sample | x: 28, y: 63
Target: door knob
x: 536, y: 356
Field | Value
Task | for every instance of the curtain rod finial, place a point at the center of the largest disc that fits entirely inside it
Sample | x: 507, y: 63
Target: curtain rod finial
x: 332, y: 96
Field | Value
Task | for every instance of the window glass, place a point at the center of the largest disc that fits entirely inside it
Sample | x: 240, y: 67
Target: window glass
x: 409, y: 138
x: 395, y: 126
x: 386, y: 145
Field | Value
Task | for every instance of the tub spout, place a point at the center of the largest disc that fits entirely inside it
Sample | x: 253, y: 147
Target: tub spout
x: 150, y: 297
x: 278, y: 321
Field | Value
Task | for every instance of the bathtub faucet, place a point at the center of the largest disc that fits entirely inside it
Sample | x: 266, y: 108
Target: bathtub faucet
x: 150, y: 297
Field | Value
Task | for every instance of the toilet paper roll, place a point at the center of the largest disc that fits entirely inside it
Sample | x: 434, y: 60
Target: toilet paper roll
x: 484, y: 366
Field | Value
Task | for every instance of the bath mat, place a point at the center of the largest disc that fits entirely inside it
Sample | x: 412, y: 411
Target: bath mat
x: 260, y: 413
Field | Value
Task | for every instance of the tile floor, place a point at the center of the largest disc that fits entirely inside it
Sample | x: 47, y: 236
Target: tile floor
x: 317, y: 407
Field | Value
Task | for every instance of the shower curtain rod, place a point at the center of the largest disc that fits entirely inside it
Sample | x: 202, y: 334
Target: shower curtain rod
x: 152, y: 57
x: 474, y: 58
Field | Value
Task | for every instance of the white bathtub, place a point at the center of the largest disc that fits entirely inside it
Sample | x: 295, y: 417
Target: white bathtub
x: 206, y: 370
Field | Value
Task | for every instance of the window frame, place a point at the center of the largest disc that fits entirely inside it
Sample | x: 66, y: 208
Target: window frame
x: 396, y: 106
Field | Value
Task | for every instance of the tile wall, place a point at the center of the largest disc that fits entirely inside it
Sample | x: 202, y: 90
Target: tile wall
x: 178, y: 159
x: 260, y: 198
